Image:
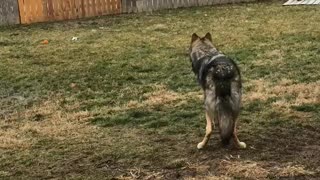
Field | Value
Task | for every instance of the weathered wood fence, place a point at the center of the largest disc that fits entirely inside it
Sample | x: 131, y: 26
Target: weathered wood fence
x: 129, y: 6
x: 52, y: 10
x: 9, y: 12
x: 31, y: 11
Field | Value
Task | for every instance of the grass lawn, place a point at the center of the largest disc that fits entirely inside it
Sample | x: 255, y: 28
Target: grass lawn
x: 122, y: 101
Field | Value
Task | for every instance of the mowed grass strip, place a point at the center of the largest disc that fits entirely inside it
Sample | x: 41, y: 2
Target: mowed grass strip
x: 122, y: 102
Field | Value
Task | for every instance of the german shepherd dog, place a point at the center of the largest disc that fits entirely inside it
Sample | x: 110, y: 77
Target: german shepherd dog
x: 220, y: 79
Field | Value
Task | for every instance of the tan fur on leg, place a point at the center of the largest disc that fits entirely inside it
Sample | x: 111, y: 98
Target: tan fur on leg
x: 208, y: 133
x: 237, y: 142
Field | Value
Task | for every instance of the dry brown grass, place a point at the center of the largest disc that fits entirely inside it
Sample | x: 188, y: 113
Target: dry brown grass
x: 258, y: 170
x: 244, y: 169
x: 301, y: 93
x: 47, y: 119
x: 293, y: 171
x: 160, y: 95
x: 270, y: 57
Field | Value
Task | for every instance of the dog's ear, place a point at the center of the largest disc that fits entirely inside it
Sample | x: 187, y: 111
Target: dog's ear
x: 194, y: 37
x: 208, y: 36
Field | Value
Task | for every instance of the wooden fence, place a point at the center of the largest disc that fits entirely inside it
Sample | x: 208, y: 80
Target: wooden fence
x: 53, y: 10
x: 31, y: 11
x: 129, y: 6
x: 9, y: 12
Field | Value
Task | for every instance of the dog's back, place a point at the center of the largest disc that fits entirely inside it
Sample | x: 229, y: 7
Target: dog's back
x: 220, y: 79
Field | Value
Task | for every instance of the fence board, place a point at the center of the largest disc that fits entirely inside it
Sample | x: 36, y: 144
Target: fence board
x: 9, y: 12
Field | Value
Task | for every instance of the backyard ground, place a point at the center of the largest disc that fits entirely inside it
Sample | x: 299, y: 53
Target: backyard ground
x: 121, y: 102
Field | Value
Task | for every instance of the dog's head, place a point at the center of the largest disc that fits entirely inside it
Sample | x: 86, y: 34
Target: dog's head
x: 201, y: 46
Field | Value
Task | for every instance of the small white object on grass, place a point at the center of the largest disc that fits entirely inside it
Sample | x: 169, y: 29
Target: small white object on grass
x: 75, y: 38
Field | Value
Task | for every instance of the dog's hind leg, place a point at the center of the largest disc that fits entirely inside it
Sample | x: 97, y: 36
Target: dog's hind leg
x: 208, y: 132
x: 236, y: 141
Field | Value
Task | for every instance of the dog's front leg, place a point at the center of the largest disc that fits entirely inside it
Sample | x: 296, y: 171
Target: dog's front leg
x: 208, y: 132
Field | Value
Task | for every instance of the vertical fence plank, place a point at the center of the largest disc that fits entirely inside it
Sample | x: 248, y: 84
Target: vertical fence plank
x: 21, y: 11
x: 110, y: 6
x: 119, y: 7
x: 114, y: 6
x: 168, y: 4
x: 97, y: 7
x: 76, y: 8
x: 107, y: 5
x: 124, y: 6
x: 149, y: 6
x: 72, y: 13
x: 139, y: 5
x: 163, y: 4
x: 154, y: 5
x: 129, y: 5
x: 86, y: 7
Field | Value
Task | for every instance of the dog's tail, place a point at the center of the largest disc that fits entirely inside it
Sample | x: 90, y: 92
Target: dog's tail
x: 223, y: 73
x: 225, y: 119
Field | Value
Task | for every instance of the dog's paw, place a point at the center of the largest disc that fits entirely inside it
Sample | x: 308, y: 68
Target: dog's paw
x: 242, y: 145
x: 200, y: 145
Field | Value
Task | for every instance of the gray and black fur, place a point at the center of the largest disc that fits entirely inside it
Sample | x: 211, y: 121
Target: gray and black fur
x: 220, y: 79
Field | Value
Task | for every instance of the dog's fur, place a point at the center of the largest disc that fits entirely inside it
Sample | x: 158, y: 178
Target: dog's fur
x: 220, y: 79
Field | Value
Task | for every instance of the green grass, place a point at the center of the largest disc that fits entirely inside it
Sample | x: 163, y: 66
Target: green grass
x: 123, y: 102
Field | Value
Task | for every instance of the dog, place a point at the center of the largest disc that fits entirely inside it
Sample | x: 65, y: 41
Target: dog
x: 220, y: 79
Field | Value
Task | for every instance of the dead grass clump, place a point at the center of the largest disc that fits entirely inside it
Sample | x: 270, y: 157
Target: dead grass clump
x: 161, y: 96
x: 292, y: 171
x: 260, y: 87
x: 245, y: 169
x: 10, y: 139
x: 304, y: 93
x: 270, y: 57
x: 157, y: 27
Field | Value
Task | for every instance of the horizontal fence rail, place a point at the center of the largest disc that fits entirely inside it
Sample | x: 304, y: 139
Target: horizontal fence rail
x: 32, y: 11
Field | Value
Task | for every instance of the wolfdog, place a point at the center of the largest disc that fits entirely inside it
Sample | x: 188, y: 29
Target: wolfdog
x: 220, y: 79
